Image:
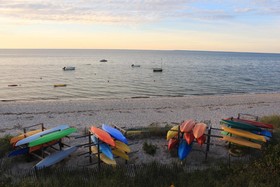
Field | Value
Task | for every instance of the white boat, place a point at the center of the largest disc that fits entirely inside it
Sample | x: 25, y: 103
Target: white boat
x: 68, y: 68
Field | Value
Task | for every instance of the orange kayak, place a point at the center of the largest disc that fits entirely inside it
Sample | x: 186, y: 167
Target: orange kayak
x: 187, y: 125
x: 189, y: 137
x: 22, y: 136
x: 103, y: 136
x: 201, y: 140
x: 35, y: 148
x: 199, y: 130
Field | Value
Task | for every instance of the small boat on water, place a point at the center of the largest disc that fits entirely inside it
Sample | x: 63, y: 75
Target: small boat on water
x: 135, y: 66
x: 157, y: 69
x: 68, y: 68
x: 60, y: 85
x: 103, y: 60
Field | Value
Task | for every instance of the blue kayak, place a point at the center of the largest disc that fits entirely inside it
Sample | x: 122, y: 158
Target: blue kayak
x: 184, y: 149
x: 56, y: 157
x: 103, y: 147
x: 115, y: 133
x: 21, y: 151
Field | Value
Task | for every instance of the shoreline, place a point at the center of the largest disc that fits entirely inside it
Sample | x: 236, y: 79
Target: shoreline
x: 135, y: 112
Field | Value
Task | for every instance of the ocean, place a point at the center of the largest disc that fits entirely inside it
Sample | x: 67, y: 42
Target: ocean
x: 34, y: 72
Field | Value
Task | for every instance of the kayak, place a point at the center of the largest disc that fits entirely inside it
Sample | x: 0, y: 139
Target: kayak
x: 102, y: 135
x: 201, y: 140
x: 38, y: 147
x: 173, y: 142
x: 17, y: 152
x: 120, y: 153
x: 250, y: 122
x: 187, y: 125
x: 52, y: 136
x: 38, y: 135
x: 24, y: 135
x: 183, y: 149
x: 189, y: 137
x: 55, y: 158
x: 248, y: 127
x: 103, y: 157
x: 103, y: 147
x: 241, y: 141
x: 122, y: 146
x: 240, y: 125
x: 172, y: 132
x: 115, y: 133
x: 244, y: 133
x: 199, y: 130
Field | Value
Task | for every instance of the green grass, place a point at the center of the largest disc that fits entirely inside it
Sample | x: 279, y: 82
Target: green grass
x: 5, y: 145
x: 262, y: 171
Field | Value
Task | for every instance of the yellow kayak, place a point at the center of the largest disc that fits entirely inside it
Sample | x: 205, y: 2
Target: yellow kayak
x: 22, y: 136
x: 241, y: 141
x: 172, y: 132
x: 122, y: 146
x: 103, y: 157
x: 120, y: 153
x: 244, y: 133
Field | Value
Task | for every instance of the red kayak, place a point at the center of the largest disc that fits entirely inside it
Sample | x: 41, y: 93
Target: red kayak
x: 199, y: 130
x: 189, y: 137
x: 201, y: 140
x: 187, y: 125
x: 172, y: 143
x: 250, y: 122
x: 103, y: 135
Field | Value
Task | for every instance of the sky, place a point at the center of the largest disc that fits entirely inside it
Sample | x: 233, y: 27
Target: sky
x: 216, y: 25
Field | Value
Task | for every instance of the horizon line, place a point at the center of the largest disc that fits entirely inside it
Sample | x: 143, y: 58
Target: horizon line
x: 191, y: 50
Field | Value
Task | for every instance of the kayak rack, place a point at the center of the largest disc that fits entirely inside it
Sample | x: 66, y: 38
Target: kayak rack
x: 28, y: 127
x: 89, y: 154
x: 208, y: 134
x: 42, y: 149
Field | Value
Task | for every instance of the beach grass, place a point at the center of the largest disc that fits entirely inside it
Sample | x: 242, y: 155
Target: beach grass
x: 260, y: 171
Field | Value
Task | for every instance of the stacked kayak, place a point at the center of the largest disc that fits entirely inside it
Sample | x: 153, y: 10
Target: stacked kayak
x: 245, y: 133
x: 111, y: 142
x: 182, y: 136
x: 38, y: 139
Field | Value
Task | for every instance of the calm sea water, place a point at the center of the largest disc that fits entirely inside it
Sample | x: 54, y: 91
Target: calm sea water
x: 184, y: 73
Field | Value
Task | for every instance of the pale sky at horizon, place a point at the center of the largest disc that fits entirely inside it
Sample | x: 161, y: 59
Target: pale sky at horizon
x: 217, y: 25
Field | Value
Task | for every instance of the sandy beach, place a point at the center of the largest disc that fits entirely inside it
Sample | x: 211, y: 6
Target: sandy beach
x: 138, y: 112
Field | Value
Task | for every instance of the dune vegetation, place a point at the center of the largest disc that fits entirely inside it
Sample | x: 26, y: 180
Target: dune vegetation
x: 263, y: 170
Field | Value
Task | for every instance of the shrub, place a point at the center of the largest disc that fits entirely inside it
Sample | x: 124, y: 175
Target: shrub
x: 149, y: 148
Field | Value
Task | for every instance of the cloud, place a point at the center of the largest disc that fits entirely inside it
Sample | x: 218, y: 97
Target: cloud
x: 128, y: 11
x: 92, y: 10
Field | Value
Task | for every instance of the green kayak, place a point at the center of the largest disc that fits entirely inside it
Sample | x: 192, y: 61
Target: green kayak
x: 240, y: 125
x: 52, y: 136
